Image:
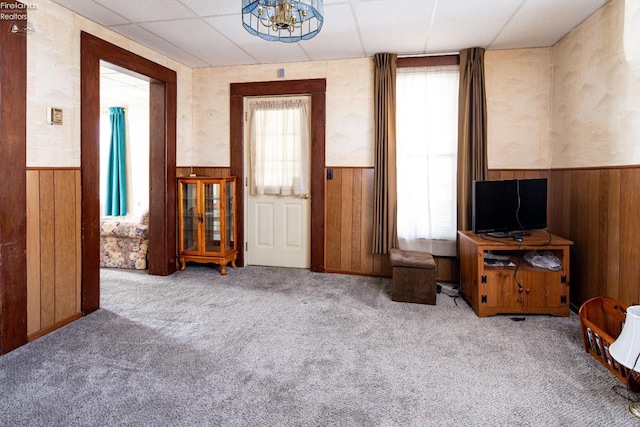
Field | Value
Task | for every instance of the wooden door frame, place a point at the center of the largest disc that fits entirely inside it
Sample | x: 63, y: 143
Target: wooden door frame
x: 317, y: 89
x: 13, y: 175
x: 162, y: 160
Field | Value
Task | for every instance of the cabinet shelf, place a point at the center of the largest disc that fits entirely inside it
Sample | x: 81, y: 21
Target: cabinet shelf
x: 206, y: 223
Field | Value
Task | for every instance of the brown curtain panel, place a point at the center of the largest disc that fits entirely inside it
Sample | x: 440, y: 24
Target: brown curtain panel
x: 472, y: 130
x: 385, y: 234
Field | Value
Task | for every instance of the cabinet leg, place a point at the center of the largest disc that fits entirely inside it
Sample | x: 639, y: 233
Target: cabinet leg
x: 183, y: 264
x: 223, y: 269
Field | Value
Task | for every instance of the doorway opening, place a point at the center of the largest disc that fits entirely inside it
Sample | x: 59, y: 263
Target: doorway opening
x: 124, y: 169
x: 131, y: 93
x: 277, y: 169
x: 316, y: 88
x: 162, y: 159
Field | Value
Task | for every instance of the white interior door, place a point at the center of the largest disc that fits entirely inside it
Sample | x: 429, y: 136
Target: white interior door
x: 277, y: 228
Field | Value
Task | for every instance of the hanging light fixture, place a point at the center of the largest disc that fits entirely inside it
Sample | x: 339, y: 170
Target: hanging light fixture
x: 282, y: 20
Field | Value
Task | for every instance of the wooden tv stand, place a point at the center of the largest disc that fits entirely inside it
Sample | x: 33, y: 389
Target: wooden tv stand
x: 517, y: 289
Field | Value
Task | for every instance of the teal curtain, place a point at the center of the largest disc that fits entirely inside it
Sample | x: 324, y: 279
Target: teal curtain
x: 116, y: 202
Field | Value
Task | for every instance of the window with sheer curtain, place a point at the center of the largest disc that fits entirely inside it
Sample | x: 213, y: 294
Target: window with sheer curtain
x: 426, y: 150
x: 279, y: 147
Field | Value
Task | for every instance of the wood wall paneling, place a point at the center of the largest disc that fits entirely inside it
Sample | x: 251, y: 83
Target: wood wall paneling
x: 33, y: 252
x: 612, y: 277
x: 65, y: 243
x: 366, y: 221
x: 350, y: 225
x: 54, y: 249
x: 629, y: 287
x: 347, y: 219
x: 78, y: 189
x: 597, y: 209
x: 356, y: 222
x: 333, y: 247
x: 47, y: 249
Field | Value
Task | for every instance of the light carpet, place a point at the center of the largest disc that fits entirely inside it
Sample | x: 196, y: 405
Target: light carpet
x: 286, y: 347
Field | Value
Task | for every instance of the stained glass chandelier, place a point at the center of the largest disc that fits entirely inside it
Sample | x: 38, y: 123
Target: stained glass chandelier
x: 282, y: 20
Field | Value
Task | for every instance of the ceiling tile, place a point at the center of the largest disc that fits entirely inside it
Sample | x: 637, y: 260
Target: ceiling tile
x: 93, y: 11
x: 148, y: 10
x: 544, y: 22
x: 184, y: 29
x: 338, y: 38
x: 200, y: 40
x: 260, y: 50
x: 459, y: 25
x: 214, y: 7
x: 392, y: 26
x: 158, y: 44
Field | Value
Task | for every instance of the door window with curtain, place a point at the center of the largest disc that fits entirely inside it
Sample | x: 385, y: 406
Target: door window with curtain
x: 279, y: 153
x: 426, y: 144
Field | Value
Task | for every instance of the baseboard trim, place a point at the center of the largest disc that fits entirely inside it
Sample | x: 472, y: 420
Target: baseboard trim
x: 358, y: 273
x: 57, y: 325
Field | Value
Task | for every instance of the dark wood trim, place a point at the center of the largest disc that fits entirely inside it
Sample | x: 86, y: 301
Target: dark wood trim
x: 567, y: 169
x: 195, y: 167
x: 162, y: 162
x: 317, y: 89
x: 594, y: 168
x: 13, y: 194
x: 349, y: 167
x: 428, y: 61
x: 52, y: 168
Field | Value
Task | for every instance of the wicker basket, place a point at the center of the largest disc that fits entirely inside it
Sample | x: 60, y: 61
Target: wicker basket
x: 601, y: 321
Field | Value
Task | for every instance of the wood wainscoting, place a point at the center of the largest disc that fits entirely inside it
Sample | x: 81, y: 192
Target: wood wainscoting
x: 349, y: 229
x: 215, y: 172
x: 54, y: 249
x: 598, y: 209
x: 349, y: 224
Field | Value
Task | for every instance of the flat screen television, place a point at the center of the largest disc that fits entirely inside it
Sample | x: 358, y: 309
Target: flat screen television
x: 509, y: 207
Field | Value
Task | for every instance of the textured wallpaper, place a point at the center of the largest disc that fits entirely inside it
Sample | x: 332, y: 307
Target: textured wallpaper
x: 576, y: 104
x: 349, y: 127
x: 53, y: 80
x: 518, y: 85
x: 596, y: 95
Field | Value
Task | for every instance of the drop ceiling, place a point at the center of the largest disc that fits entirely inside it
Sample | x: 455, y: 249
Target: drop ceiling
x: 206, y: 33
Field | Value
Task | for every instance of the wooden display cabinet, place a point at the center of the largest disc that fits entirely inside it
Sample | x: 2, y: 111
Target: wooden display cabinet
x: 207, y: 221
x: 519, y: 288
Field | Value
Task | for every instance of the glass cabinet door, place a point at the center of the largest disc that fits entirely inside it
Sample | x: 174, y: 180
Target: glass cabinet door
x: 206, y: 221
x: 190, y: 217
x: 212, y: 226
x: 229, y: 215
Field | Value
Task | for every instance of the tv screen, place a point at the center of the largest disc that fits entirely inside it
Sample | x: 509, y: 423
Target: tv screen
x: 509, y: 207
